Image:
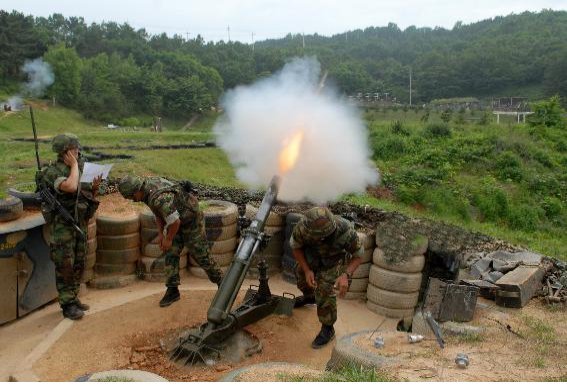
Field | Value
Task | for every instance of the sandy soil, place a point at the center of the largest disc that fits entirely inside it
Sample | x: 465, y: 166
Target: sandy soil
x: 128, y: 336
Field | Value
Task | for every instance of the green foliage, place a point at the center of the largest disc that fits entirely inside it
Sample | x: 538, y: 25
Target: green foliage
x: 446, y: 115
x: 508, y: 166
x: 547, y: 113
x: 437, y: 130
x: 348, y: 373
x: 397, y: 127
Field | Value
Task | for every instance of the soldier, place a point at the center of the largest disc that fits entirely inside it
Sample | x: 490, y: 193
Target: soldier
x: 68, y: 248
x: 327, y: 251
x: 180, y: 223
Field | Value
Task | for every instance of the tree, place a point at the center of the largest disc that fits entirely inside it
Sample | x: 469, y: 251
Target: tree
x: 547, y: 113
x: 66, y: 66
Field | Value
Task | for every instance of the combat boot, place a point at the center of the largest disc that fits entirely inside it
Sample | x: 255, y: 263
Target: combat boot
x: 71, y: 311
x: 82, y: 306
x: 171, y: 295
x: 326, y: 335
x: 303, y: 300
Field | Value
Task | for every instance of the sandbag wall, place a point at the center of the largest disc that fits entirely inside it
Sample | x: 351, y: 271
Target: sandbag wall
x: 90, y: 259
x: 395, y: 275
x: 359, y: 284
x: 273, y: 252
x: 222, y: 234
x: 151, y: 265
x: 117, y: 251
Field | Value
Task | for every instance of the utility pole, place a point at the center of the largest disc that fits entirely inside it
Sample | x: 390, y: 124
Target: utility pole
x: 410, y: 86
x: 252, y: 41
x: 228, y: 30
x: 303, y: 36
x: 187, y: 36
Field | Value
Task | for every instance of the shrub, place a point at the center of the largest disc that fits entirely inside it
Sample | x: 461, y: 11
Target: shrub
x: 437, y: 130
x: 552, y: 207
x: 547, y: 113
x: 397, y: 127
x: 388, y: 148
x: 446, y: 115
x: 491, y: 202
x: 508, y: 166
x: 523, y: 217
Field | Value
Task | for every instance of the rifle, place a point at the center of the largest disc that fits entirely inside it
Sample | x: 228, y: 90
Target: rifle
x: 47, y: 197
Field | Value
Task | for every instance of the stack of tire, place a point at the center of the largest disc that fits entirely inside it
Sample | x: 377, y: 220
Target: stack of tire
x: 118, y: 251
x: 274, y: 250
x: 359, y: 284
x: 394, y: 282
x: 222, y: 234
x: 90, y: 259
x: 288, y: 261
x: 151, y: 265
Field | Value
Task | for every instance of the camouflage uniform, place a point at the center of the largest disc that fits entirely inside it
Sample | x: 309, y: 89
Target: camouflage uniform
x: 169, y: 200
x: 327, y: 258
x: 67, y: 249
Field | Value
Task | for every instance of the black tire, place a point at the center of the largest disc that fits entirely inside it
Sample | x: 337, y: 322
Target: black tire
x: 347, y: 352
x: 394, y: 281
x: 367, y: 238
x: 90, y: 260
x: 275, y: 245
x: 358, y: 285
x: 222, y: 233
x: 147, y: 219
x: 151, y: 265
x: 11, y: 208
x: 362, y: 271
x: 88, y: 275
x: 115, y: 226
x: 152, y: 250
x: 273, y: 220
x: 91, y: 230
x: 125, y: 256
x: 118, y: 243
x: 412, y: 264
x: 391, y: 299
x: 223, y: 246
x: 147, y: 235
x: 222, y: 259
x: 30, y: 200
x: 395, y: 313
x: 219, y: 213
x: 200, y: 272
x: 367, y: 255
x: 355, y: 295
x: 114, y: 269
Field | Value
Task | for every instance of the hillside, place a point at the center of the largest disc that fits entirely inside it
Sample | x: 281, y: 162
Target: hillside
x: 507, y: 181
x: 113, y: 71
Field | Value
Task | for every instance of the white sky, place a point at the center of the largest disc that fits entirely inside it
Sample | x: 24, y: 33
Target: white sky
x: 275, y: 18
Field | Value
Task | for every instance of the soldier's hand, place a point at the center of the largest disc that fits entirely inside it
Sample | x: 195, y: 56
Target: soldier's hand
x: 342, y: 285
x: 96, y: 184
x: 165, y: 244
x: 310, y: 279
x: 69, y: 159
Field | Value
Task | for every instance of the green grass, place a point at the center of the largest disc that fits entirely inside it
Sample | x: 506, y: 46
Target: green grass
x: 349, y: 373
x: 508, y: 181
x: 115, y: 378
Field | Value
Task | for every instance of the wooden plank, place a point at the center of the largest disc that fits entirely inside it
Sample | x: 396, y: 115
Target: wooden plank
x: 486, y: 289
x: 8, y: 289
x: 517, y: 287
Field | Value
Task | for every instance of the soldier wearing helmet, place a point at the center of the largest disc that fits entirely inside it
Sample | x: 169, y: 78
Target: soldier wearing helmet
x: 68, y: 250
x: 327, y: 251
x: 180, y: 223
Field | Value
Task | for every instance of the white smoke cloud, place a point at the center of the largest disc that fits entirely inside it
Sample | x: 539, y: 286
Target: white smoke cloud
x: 333, y: 159
x: 40, y: 76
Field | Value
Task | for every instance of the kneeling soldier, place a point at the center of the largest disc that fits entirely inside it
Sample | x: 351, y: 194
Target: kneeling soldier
x: 180, y: 223
x: 327, y: 251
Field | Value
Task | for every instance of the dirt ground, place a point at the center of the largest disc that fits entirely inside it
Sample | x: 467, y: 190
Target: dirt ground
x: 129, y: 336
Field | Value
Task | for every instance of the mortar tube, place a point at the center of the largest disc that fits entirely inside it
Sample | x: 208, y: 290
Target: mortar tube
x: 231, y: 283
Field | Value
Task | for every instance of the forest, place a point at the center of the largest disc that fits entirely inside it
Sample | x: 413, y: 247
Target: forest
x: 109, y: 70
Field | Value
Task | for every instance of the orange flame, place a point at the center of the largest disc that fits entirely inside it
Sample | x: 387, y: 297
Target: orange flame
x: 289, y: 154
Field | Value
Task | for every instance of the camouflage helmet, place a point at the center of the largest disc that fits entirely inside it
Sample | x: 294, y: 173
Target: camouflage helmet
x: 319, y: 222
x: 129, y: 185
x: 63, y: 142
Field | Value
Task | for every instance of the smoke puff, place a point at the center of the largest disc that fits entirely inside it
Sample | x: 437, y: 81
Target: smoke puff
x: 40, y: 77
x: 333, y: 158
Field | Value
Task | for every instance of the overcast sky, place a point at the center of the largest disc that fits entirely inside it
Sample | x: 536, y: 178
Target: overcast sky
x: 275, y: 18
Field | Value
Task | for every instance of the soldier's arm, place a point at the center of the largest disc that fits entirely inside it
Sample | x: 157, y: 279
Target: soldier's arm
x: 296, y: 245
x: 71, y: 183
